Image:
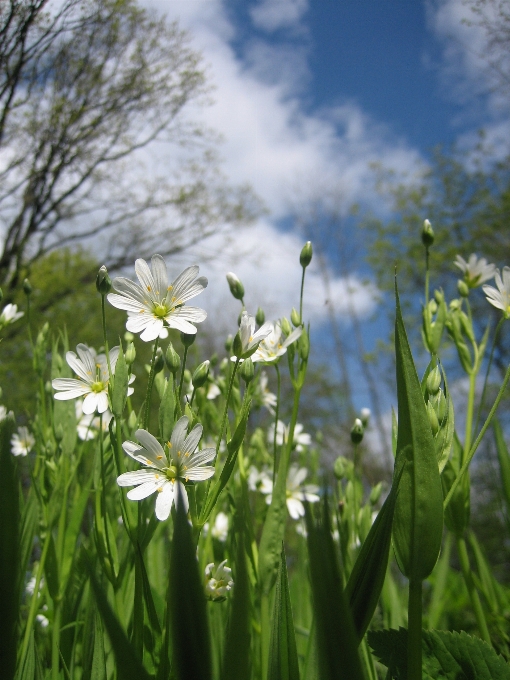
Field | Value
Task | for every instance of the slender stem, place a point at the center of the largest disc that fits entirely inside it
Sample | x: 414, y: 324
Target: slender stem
x: 473, y: 593
x: 55, y: 640
x: 185, y: 356
x: 105, y: 340
x: 414, y: 652
x: 29, y: 325
x: 469, y: 414
x: 276, y: 416
x: 472, y: 452
x: 301, y: 295
x: 427, y: 276
x: 486, y: 381
x: 225, y: 412
x: 147, y: 406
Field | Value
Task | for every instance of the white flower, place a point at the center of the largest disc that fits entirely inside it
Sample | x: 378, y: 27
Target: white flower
x: 42, y: 620
x: 259, y: 480
x: 300, y: 440
x: 476, y: 271
x: 213, y: 391
x: 92, y: 370
x: 272, y: 347
x: 247, y: 338
x: 220, y: 528
x: 297, y: 493
x: 5, y: 414
x: 500, y: 298
x: 218, y: 584
x: 88, y: 424
x: 9, y: 315
x: 163, y: 474
x: 22, y: 442
x: 267, y: 398
x: 154, y: 302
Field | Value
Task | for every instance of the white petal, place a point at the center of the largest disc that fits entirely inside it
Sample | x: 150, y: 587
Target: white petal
x: 101, y: 401
x: 136, y: 477
x: 160, y: 276
x: 145, y: 277
x: 149, y: 442
x: 178, y: 434
x: 126, y: 288
x: 164, y: 501
x: 198, y: 474
x: 128, y: 304
x: 79, y: 368
x: 181, y: 496
x: 295, y: 508
x: 90, y: 403
x: 152, y: 330
x: 142, y: 491
x: 191, y: 441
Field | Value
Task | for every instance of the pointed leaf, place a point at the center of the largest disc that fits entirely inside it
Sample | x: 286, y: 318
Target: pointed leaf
x: 71, y: 536
x: 120, y: 384
x: 166, y: 410
x: 504, y: 461
x: 98, y: 670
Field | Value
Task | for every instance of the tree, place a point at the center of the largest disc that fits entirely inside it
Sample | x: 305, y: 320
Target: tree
x: 85, y: 92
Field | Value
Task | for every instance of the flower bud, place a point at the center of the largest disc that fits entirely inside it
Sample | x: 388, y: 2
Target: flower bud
x: 365, y: 416
x: 434, y: 380
x: 187, y: 376
x: 260, y: 317
x: 130, y: 354
x: 295, y: 318
x: 441, y: 406
x: 306, y: 254
x: 357, y: 432
x: 304, y: 345
x: 427, y: 234
x: 375, y: 494
x: 247, y: 370
x: 132, y: 420
x: 200, y: 375
x: 103, y: 281
x: 286, y: 327
x: 235, y: 285
x: 214, y: 360
x: 159, y: 361
x: 342, y: 467
x: 439, y: 296
x: 173, y: 360
x: 128, y: 337
x: 228, y: 343
x: 27, y: 287
x: 463, y: 288
x: 434, y: 422
x: 188, y: 339
x: 237, y: 345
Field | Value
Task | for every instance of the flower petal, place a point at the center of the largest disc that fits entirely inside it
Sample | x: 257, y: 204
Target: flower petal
x: 164, y: 501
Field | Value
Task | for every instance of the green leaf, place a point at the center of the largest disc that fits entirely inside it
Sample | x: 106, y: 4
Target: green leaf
x: 71, y: 536
x: 64, y: 412
x: 98, y: 670
x: 236, y: 655
x: 272, y: 534
x: 446, y: 655
x: 51, y: 569
x: 129, y: 666
x: 504, y: 461
x: 337, y: 641
x: 166, y: 410
x: 187, y: 603
x: 418, y: 520
x: 28, y: 528
x: 30, y: 669
x: 367, y: 576
x: 283, y: 659
x: 120, y: 385
x: 458, y: 509
x: 9, y: 551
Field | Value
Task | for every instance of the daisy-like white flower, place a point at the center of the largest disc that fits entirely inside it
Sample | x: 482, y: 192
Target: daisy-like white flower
x: 22, y: 442
x: 272, y: 347
x: 92, y: 384
x: 88, y: 424
x: 500, y: 297
x: 267, y: 398
x: 259, y: 480
x: 4, y: 413
x: 296, y: 493
x: 300, y: 440
x: 9, y: 315
x: 164, y: 473
x: 247, y: 339
x: 220, y: 528
x: 154, y: 302
x: 476, y: 271
x: 219, y: 582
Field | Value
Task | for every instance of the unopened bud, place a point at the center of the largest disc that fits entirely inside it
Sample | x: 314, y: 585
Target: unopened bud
x: 247, y: 371
x: 427, y: 234
x: 187, y: 376
x: 103, y: 281
x: 128, y: 337
x: 159, y: 361
x: 188, y: 339
x: 58, y: 432
x: 441, y: 406
x: 295, y: 318
x: 27, y: 287
x: 132, y: 420
x: 342, y: 467
x: 173, y: 360
x: 214, y: 360
x: 228, y: 343
x: 235, y: 285
x: 304, y: 345
x: 434, y: 423
x: 439, y: 296
x: 357, y: 432
x: 365, y: 416
x: 130, y: 354
x: 200, y: 375
x: 260, y: 317
x: 306, y: 254
x: 434, y: 380
x: 375, y: 494
x: 237, y: 345
x: 463, y: 288
x: 286, y: 327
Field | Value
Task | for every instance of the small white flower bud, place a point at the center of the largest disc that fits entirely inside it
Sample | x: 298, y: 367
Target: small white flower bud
x: 235, y: 285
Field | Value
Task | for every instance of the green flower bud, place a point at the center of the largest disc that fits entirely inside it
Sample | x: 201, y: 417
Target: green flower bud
x: 286, y: 327
x: 214, y: 360
x: 237, y: 345
x: 200, y: 375
x: 128, y: 337
x: 364, y: 416
x: 48, y: 387
x: 304, y: 345
x: 1, y: 393
x: 132, y: 420
x: 173, y: 360
x: 295, y: 318
x: 434, y: 422
x: 187, y: 377
x: 441, y: 406
x: 159, y: 361
x: 434, y: 380
x: 58, y: 431
x: 427, y: 234
x: 103, y: 281
x: 306, y: 254
x: 235, y: 285
x: 188, y: 339
x: 130, y: 354
x: 463, y: 288
x: 439, y: 296
x: 27, y: 288
x: 375, y: 494
x: 260, y: 317
x: 357, y: 432
x: 342, y: 467
x: 228, y: 343
x: 247, y: 371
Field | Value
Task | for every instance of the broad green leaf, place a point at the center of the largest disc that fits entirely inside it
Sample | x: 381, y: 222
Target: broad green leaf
x: 236, y: 655
x: 166, y: 410
x: 446, y: 655
x: 98, y: 670
x: 337, y: 641
x: 120, y: 384
x: 438, y: 600
x: 504, y: 461
x: 28, y: 528
x: 9, y: 551
x: 30, y: 668
x: 272, y: 534
x: 367, y: 576
x: 311, y: 665
x: 283, y: 659
x: 189, y: 628
x: 71, y: 536
x: 129, y: 666
x: 51, y: 569
x: 155, y: 627
x: 418, y: 520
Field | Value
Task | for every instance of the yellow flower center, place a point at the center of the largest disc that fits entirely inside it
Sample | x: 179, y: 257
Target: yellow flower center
x: 160, y: 311
x: 97, y: 386
x: 171, y: 472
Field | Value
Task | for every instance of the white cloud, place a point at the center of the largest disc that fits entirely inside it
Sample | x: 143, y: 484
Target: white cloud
x: 272, y: 15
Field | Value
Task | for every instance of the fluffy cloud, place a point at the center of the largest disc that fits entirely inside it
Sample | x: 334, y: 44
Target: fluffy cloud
x: 272, y: 15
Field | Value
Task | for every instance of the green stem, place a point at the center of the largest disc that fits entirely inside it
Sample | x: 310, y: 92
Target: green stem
x: 473, y: 593
x: 225, y: 412
x: 486, y: 381
x: 472, y: 452
x: 469, y: 414
x: 301, y: 295
x: 147, y: 406
x: 185, y: 356
x: 105, y: 341
x: 55, y: 640
x: 276, y: 416
x: 427, y: 276
x: 414, y: 652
